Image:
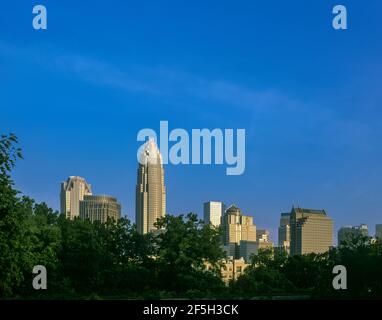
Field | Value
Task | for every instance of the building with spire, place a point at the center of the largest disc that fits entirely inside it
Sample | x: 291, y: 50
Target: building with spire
x: 150, y: 199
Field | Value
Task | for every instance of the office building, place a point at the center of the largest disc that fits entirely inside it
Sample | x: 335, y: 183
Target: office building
x: 237, y: 227
x: 150, y: 201
x: 284, y: 232
x: 347, y: 233
x: 311, y: 231
x: 72, y: 192
x: 100, y: 208
x: 213, y: 212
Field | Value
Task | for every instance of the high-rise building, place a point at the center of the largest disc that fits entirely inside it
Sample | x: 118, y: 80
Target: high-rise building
x: 284, y: 232
x: 150, y: 200
x: 236, y: 227
x: 347, y: 233
x: 311, y: 231
x: 72, y: 192
x: 262, y: 235
x: 100, y: 207
x: 378, y: 231
x: 213, y: 212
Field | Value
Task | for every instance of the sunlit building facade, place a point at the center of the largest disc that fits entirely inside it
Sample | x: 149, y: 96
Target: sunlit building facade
x: 311, y: 231
x: 72, y: 192
x: 150, y: 201
x: 99, y: 208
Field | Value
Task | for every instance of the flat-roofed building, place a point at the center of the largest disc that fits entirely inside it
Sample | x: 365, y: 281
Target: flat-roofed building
x: 100, y: 208
x: 213, y: 212
x: 347, y: 233
x: 311, y: 231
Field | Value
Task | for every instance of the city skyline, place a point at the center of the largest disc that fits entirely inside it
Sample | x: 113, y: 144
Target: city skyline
x: 214, y: 210
x: 311, y: 231
x: 306, y: 94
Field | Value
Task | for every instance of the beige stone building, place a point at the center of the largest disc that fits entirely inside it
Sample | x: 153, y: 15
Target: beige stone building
x: 99, y: 208
x: 150, y: 201
x: 311, y: 231
x: 231, y: 268
x: 236, y: 227
x: 72, y: 192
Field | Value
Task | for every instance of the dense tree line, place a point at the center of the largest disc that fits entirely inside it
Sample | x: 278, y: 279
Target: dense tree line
x: 112, y: 260
x: 273, y: 273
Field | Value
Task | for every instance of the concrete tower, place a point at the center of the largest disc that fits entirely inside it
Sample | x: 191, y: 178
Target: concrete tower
x: 150, y: 201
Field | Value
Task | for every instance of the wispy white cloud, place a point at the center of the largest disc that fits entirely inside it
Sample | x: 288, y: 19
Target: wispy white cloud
x: 170, y: 83
x: 167, y: 82
x: 156, y: 80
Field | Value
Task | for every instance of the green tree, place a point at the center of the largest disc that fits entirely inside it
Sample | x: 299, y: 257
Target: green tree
x: 362, y: 257
x: 14, y: 241
x: 185, y: 246
x: 264, y: 277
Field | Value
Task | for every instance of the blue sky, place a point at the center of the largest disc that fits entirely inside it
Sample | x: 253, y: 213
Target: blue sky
x: 308, y: 96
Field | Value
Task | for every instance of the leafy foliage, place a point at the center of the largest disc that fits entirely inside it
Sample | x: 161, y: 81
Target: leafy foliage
x: 95, y: 260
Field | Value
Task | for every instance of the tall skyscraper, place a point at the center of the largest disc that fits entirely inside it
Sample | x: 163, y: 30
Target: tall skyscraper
x: 311, y: 231
x: 346, y: 233
x: 284, y: 232
x: 150, y: 200
x: 213, y: 212
x: 72, y: 192
x: 378, y: 231
x: 236, y: 227
x: 99, y: 208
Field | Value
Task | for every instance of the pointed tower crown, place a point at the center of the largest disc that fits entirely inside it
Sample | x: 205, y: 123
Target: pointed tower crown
x: 150, y: 153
